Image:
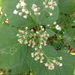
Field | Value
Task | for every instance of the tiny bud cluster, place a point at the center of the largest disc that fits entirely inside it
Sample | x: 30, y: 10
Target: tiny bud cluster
x: 21, y: 5
x: 50, y: 4
x: 36, y: 9
x: 51, y: 66
x: 6, y: 21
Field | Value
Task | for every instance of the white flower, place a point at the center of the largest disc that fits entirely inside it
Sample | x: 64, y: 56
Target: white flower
x: 37, y: 32
x: 38, y: 13
x: 27, y: 12
x: 15, y: 12
x: 60, y: 58
x: 36, y: 49
x: 46, y: 6
x: 48, y: 25
x: 22, y: 3
x: 26, y: 28
x: 41, y: 61
x: 49, y: 3
x: 1, y: 13
x: 5, y: 14
x: 23, y: 10
x: 46, y: 64
x: 35, y: 9
x: 60, y: 64
x: 51, y: 14
x: 20, y: 13
x: 44, y: 3
x: 25, y: 16
x: 54, y: 23
x: 17, y: 6
x: 41, y: 54
x: 54, y: 61
x: 58, y: 27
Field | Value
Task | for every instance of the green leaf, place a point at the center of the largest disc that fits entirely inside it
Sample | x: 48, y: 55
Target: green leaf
x: 11, y: 52
x: 1, y: 25
x: 23, y: 68
x: 2, y: 3
x: 67, y: 6
x: 69, y: 40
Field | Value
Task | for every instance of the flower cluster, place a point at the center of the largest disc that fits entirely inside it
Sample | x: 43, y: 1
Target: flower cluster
x: 51, y: 66
x: 34, y: 39
x: 35, y: 9
x: 50, y: 4
x: 37, y: 39
x: 22, y: 5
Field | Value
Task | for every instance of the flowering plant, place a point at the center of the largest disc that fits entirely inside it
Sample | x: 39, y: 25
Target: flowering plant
x: 30, y: 33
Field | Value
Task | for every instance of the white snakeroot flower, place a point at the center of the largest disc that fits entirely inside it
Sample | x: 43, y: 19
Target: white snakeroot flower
x: 54, y: 23
x: 0, y: 9
x: 58, y: 27
x: 52, y: 8
x: 25, y: 16
x: 42, y: 58
x: 37, y: 32
x: 1, y: 13
x: 42, y: 29
x: 26, y: 33
x: 60, y: 64
x: 40, y: 47
x: 47, y: 34
x: 46, y: 64
x: 38, y: 57
x: 60, y: 58
x: 48, y: 25
x: 46, y: 6
x: 41, y: 54
x: 35, y: 13
x: 54, y: 61
x: 34, y: 5
x: 35, y: 9
x: 5, y: 14
x: 22, y: 3
x: 23, y: 10
x: 32, y: 46
x: 51, y: 14
x: 35, y: 59
x: 44, y: 3
x: 49, y: 3
x: 17, y: 6
x: 27, y: 12
x: 15, y: 12
x: 32, y: 54
x: 38, y: 13
x: 28, y: 44
x: 36, y: 49
x: 20, y: 13
x: 41, y: 61
x: 26, y: 28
